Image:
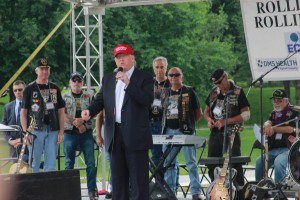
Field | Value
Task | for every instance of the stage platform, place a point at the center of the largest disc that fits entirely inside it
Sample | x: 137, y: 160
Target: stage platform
x: 184, y: 181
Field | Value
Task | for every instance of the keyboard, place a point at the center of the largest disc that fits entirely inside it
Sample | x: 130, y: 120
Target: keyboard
x: 178, y: 139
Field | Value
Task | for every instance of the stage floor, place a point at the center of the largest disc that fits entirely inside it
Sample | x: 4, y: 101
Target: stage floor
x: 184, y: 181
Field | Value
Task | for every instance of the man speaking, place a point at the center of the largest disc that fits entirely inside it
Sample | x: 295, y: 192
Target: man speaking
x: 126, y: 96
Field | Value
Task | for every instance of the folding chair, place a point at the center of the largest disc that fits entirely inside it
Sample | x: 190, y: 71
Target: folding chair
x: 258, y: 146
x: 183, y: 166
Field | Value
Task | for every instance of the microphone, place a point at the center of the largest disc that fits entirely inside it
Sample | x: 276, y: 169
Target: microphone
x: 119, y: 69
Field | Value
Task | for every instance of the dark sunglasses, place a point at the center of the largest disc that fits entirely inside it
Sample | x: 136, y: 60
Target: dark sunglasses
x: 77, y: 80
x: 174, y: 75
x: 219, y: 82
x: 20, y: 90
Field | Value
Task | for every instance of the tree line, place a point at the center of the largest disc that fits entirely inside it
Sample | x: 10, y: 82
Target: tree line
x: 197, y: 37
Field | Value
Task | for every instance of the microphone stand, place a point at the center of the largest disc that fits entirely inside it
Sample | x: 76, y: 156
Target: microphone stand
x: 227, y: 136
x: 260, y: 79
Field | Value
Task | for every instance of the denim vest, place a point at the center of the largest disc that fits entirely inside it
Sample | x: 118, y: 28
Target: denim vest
x: 85, y: 100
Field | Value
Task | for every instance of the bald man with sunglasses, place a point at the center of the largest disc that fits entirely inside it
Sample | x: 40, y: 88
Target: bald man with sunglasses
x: 181, y: 111
x: 215, y: 115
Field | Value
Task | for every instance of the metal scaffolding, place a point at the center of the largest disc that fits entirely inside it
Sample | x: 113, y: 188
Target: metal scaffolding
x: 87, y: 40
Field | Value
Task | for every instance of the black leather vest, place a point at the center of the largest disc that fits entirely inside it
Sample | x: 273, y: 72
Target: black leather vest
x: 40, y: 112
x: 185, y: 110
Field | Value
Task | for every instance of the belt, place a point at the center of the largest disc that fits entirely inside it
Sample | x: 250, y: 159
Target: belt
x: 118, y: 124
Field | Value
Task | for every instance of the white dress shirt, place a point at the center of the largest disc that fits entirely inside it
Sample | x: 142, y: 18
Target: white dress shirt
x: 120, y: 93
x: 17, y: 107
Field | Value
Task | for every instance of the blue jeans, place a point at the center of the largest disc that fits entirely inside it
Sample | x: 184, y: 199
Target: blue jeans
x: 86, y: 143
x: 277, y: 157
x: 157, y: 148
x: 45, y: 142
x: 107, y: 155
x: 171, y: 174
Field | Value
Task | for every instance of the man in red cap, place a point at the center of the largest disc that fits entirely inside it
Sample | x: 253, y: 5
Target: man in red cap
x: 126, y: 96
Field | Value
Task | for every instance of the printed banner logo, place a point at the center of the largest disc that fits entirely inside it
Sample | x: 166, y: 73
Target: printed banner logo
x: 265, y: 64
x: 292, y: 40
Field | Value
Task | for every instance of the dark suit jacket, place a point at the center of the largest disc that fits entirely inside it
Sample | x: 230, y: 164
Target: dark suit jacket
x: 135, y: 110
x: 9, y: 118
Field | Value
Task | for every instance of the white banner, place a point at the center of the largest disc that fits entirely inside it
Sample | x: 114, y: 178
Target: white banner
x: 272, y: 29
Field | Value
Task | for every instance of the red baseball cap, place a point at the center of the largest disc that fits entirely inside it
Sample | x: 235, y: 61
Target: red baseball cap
x: 123, y: 49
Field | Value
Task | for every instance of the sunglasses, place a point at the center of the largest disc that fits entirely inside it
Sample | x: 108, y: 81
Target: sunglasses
x: 174, y: 75
x: 77, y: 80
x: 277, y: 101
x: 20, y: 90
x: 219, y: 82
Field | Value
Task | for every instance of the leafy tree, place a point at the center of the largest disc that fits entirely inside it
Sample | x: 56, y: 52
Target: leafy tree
x: 187, y: 34
x: 23, y: 26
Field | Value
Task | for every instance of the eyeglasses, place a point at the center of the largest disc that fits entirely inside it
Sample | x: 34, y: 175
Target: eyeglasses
x: 20, y: 90
x: 219, y: 82
x: 277, y: 101
x: 77, y: 80
x: 174, y: 75
x: 159, y: 67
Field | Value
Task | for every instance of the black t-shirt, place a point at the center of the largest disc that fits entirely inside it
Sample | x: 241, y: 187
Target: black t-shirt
x: 172, y: 109
x: 49, y: 92
x: 156, y: 107
x: 78, y: 108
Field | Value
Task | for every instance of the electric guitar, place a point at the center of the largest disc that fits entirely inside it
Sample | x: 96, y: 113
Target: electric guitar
x: 21, y: 166
x: 219, y: 189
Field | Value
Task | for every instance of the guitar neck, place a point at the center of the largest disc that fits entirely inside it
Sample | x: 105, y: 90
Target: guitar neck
x: 266, y: 156
x: 22, y: 152
x: 226, y: 161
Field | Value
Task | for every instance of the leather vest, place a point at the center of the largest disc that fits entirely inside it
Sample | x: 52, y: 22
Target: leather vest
x: 85, y: 100
x: 232, y: 100
x: 185, y: 110
x: 38, y: 109
x: 291, y: 114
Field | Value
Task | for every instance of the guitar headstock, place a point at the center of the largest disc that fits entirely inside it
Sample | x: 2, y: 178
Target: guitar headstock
x: 32, y: 124
x: 236, y: 128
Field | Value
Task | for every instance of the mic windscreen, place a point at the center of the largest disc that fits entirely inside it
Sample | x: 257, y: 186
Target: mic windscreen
x: 119, y: 69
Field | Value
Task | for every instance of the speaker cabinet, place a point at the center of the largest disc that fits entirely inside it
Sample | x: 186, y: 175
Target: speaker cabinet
x: 156, y: 193
x: 56, y: 185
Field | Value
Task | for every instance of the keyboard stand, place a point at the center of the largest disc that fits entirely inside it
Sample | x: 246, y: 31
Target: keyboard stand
x: 160, y: 169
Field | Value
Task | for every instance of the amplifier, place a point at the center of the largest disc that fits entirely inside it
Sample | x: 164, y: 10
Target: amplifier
x: 58, y: 185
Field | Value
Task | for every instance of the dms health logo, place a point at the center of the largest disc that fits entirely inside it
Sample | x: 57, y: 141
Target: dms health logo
x: 265, y: 64
x: 292, y: 41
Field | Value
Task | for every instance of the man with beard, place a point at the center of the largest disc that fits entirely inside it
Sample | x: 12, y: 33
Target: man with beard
x: 279, y: 138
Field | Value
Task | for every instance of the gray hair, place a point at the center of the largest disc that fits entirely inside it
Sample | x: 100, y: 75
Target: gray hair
x: 161, y: 58
x: 18, y: 82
